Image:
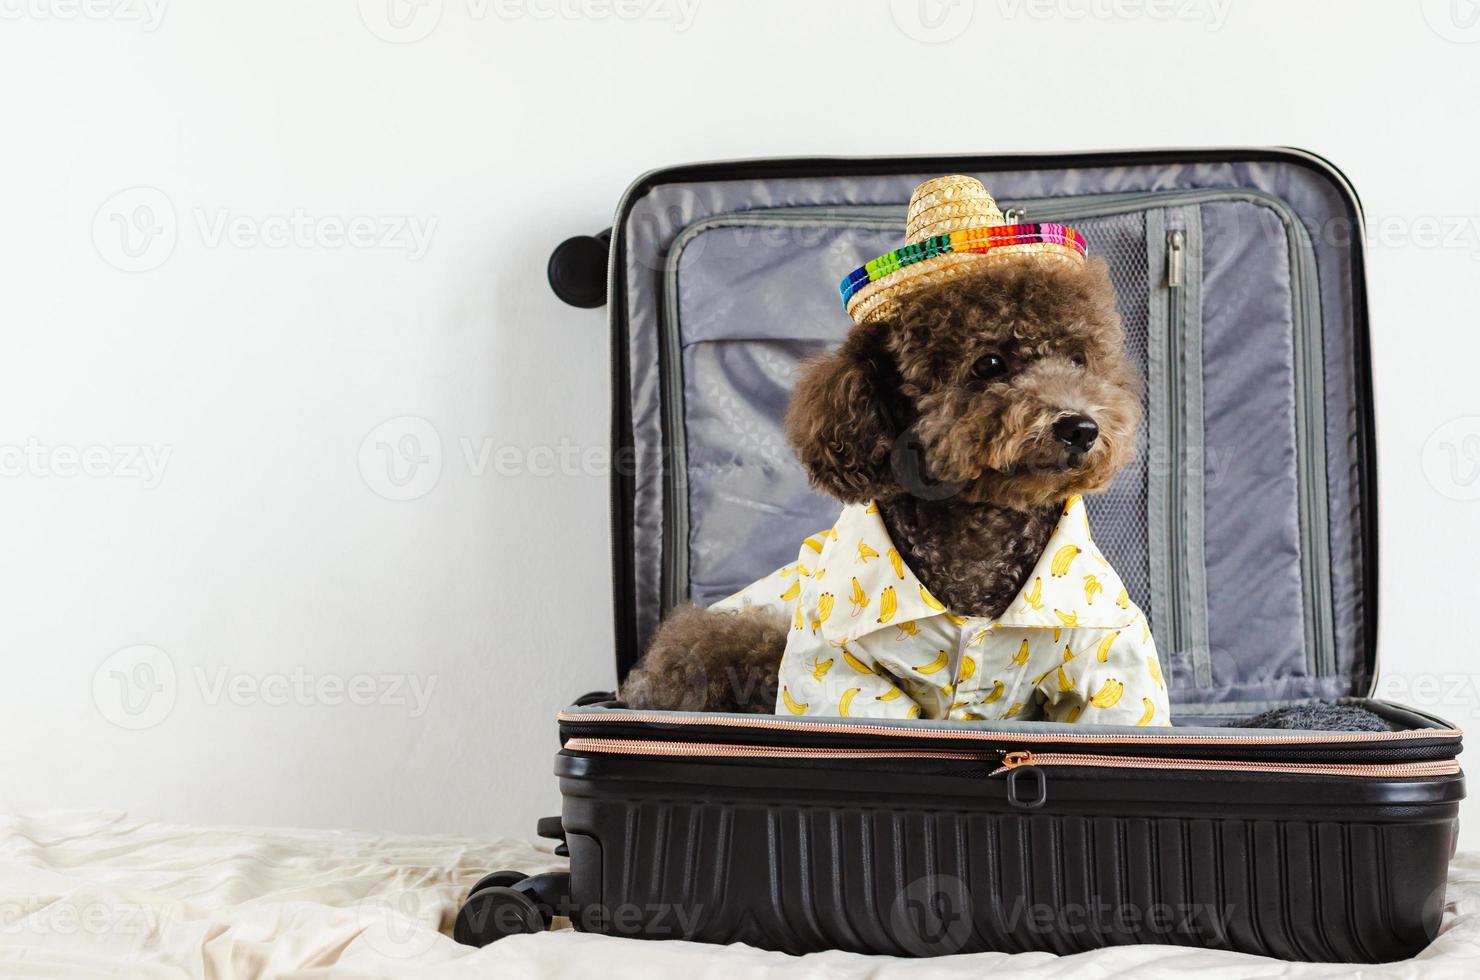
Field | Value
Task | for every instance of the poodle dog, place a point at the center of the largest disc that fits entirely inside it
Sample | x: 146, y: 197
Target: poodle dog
x: 959, y: 430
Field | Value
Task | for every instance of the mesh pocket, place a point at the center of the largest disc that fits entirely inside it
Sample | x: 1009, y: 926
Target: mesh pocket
x: 1118, y: 516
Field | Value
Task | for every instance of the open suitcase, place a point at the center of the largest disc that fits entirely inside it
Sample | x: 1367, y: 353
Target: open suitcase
x: 1246, y: 527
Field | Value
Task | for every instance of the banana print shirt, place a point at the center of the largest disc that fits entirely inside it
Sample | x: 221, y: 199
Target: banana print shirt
x: 869, y: 641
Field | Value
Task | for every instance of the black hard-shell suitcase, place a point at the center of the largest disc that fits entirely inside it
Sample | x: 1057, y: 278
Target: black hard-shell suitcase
x: 1246, y: 527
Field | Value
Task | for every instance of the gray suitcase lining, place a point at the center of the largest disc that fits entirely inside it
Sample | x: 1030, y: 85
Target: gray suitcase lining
x: 746, y: 294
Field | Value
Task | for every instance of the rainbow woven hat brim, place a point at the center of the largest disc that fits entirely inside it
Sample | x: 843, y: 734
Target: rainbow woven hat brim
x: 869, y: 288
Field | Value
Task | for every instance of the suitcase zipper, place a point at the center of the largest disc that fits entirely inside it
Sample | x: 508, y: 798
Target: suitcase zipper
x: 1176, y: 241
x: 1009, y: 760
x: 1294, y: 742
x: 629, y: 716
x: 1016, y: 760
x: 622, y: 746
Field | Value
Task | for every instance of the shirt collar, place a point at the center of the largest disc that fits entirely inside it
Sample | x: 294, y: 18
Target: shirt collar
x: 1078, y: 586
x: 1071, y: 586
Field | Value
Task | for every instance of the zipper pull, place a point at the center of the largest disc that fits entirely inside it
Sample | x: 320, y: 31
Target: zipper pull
x: 1019, y: 766
x: 1176, y: 242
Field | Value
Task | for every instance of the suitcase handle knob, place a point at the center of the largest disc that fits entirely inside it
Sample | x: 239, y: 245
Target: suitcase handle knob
x: 1034, y: 797
x: 577, y: 269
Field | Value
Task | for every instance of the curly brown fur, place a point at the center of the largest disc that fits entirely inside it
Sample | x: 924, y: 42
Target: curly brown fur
x: 944, y: 413
x: 973, y: 557
x: 915, y: 384
x: 703, y: 661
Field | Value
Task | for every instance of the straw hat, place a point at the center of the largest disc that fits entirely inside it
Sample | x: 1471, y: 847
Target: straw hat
x: 953, y: 228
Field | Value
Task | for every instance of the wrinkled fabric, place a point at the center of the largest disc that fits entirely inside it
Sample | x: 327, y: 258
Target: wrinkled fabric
x: 93, y: 894
x: 868, y: 640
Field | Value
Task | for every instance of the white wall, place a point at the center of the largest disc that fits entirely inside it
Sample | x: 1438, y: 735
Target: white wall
x: 261, y: 368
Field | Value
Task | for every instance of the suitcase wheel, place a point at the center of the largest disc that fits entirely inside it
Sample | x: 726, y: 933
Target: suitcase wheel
x: 525, y: 906
x: 577, y: 269
x: 494, y: 913
x: 499, y: 879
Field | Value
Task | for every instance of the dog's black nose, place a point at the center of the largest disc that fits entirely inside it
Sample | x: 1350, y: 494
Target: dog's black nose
x: 1077, y: 432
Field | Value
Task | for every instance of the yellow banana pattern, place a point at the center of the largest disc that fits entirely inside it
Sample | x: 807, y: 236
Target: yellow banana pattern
x: 1075, y: 652
x: 1066, y: 683
x: 1063, y: 558
x: 888, y: 604
x: 937, y: 665
x: 1108, y: 696
x: 854, y: 662
x: 792, y: 705
x: 824, y: 610
x: 846, y: 701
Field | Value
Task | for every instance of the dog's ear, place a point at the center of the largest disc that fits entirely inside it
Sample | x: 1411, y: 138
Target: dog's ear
x: 845, y: 416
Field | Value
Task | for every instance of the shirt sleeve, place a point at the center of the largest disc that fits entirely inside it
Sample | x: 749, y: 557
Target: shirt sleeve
x: 776, y: 592
x: 1114, y: 679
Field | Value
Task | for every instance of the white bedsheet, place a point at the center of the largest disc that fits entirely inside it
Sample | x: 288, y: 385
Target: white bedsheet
x: 102, y: 895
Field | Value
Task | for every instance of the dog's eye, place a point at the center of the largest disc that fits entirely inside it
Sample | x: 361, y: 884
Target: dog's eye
x: 1077, y: 360
x: 988, y: 367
